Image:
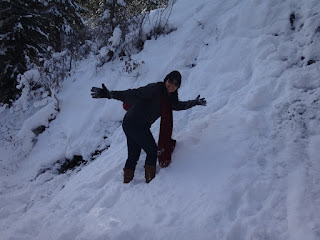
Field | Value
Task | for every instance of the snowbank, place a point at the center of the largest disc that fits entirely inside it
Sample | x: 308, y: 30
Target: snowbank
x: 245, y: 166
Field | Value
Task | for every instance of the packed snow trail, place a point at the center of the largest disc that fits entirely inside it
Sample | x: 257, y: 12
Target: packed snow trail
x: 245, y: 166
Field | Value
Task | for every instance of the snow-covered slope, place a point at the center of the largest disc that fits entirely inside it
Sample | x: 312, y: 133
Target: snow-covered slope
x: 246, y: 166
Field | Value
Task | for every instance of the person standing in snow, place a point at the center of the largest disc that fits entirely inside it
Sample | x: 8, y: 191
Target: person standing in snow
x: 147, y: 104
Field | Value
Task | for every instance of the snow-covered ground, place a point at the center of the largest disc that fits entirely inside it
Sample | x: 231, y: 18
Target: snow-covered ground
x: 246, y: 166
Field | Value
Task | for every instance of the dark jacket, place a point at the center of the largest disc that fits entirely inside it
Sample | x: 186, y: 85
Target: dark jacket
x: 146, y: 103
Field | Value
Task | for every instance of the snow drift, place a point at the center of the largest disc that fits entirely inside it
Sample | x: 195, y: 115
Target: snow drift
x: 246, y: 166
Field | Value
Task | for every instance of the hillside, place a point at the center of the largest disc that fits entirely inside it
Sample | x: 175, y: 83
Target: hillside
x: 246, y: 166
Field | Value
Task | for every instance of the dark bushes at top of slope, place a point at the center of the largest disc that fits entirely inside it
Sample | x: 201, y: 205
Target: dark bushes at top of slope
x: 28, y: 29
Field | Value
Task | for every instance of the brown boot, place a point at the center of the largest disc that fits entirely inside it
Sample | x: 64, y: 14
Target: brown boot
x: 128, y: 175
x: 150, y: 172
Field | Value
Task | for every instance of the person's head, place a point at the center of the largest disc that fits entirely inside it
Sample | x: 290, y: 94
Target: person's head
x: 172, y: 81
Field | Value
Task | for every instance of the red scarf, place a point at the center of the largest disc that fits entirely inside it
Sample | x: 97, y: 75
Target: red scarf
x: 166, y: 144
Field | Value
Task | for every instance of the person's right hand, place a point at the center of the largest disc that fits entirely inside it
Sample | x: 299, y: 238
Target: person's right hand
x: 100, y: 92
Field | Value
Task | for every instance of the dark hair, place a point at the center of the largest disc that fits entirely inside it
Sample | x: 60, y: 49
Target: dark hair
x: 174, y: 77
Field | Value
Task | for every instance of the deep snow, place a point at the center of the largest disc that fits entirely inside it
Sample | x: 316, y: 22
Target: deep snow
x: 246, y: 166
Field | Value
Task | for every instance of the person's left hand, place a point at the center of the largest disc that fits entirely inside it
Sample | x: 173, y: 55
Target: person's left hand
x: 200, y: 101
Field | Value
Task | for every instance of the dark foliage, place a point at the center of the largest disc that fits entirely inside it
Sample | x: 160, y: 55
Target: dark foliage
x: 32, y: 32
x: 70, y: 164
x: 28, y: 29
x: 292, y: 20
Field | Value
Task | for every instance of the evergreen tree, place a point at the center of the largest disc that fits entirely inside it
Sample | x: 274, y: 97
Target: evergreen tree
x: 30, y: 30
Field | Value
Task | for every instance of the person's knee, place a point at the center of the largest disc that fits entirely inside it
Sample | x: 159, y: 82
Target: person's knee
x: 153, y: 151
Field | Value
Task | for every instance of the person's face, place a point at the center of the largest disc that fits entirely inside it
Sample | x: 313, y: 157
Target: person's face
x: 170, y: 86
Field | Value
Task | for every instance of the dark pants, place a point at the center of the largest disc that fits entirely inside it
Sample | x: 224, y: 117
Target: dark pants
x: 139, y: 137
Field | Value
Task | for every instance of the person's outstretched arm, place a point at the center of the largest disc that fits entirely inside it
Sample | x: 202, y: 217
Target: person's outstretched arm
x: 184, y: 105
x: 131, y: 95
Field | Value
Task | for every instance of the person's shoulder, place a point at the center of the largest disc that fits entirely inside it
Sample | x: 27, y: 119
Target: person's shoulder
x: 156, y: 85
x: 153, y: 88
